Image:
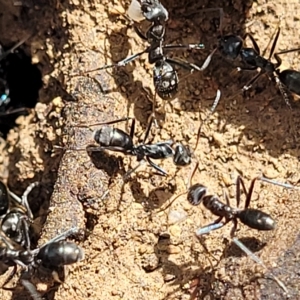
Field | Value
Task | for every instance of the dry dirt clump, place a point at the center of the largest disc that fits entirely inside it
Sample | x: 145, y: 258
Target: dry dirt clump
x: 133, y: 250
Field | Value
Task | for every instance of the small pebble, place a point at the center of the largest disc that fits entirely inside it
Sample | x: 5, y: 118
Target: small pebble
x: 176, y: 216
x: 175, y: 231
x: 172, y: 249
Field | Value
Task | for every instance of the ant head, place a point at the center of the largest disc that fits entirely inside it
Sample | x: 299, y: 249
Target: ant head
x: 230, y: 46
x: 182, y: 156
x: 196, y: 193
x: 154, y: 11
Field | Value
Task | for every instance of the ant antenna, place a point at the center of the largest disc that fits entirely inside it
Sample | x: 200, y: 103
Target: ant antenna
x: 189, y: 183
x: 212, y: 110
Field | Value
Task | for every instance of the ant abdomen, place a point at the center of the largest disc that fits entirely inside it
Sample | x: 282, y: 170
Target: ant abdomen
x: 256, y: 219
x: 60, y: 253
x: 113, y: 137
x: 291, y: 79
x: 182, y: 156
x: 196, y: 193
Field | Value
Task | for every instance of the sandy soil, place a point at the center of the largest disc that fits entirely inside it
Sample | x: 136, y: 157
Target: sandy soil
x: 133, y: 249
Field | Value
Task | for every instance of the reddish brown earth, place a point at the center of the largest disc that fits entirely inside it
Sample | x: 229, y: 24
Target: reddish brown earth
x: 133, y: 250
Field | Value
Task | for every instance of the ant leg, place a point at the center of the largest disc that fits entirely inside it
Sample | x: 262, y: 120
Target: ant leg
x: 132, y: 128
x: 61, y: 236
x: 31, y: 289
x: 262, y: 178
x: 283, y: 92
x: 9, y: 278
x: 287, y: 51
x: 281, y: 87
x: 184, y: 46
x: 91, y: 148
x: 250, y: 191
x: 11, y: 50
x: 216, y: 102
x: 128, y: 173
x: 15, y: 111
x: 104, y: 123
x: 75, y: 148
x: 208, y: 228
x: 250, y: 83
x: 171, y: 202
x: 260, y: 262
x: 285, y: 185
x: 148, y: 129
x: 121, y: 63
x: 239, y: 69
x: 26, y: 231
x: 25, y: 200
x: 233, y: 229
x: 156, y: 167
x: 212, y: 110
x: 225, y: 195
x: 190, y: 66
x: 189, y: 183
x: 139, y: 32
x: 15, y: 197
x: 253, y: 41
x: 274, y: 43
x: 239, y: 183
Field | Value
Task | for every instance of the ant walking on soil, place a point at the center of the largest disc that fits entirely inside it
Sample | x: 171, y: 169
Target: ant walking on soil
x: 53, y: 255
x: 165, y: 77
x: 253, y: 218
x: 114, y: 139
x: 232, y: 46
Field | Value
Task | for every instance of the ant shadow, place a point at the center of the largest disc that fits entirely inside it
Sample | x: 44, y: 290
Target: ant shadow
x: 113, y: 166
x: 252, y: 243
x: 202, y: 282
x: 258, y: 109
x: 156, y: 197
x: 287, y: 267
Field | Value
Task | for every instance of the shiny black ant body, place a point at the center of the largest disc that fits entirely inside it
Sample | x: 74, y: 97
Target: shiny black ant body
x: 15, y: 213
x: 52, y: 255
x: 151, y: 10
x: 253, y: 218
x: 232, y: 47
x: 290, y: 79
x: 115, y: 139
x: 165, y: 77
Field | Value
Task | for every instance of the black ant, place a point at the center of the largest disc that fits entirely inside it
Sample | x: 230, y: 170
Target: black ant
x: 164, y: 74
x: 15, y: 213
x: 253, y: 218
x: 115, y: 139
x: 151, y: 10
x: 54, y: 254
x: 232, y: 46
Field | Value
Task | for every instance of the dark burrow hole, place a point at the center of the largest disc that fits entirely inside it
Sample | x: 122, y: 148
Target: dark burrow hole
x: 20, y: 82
